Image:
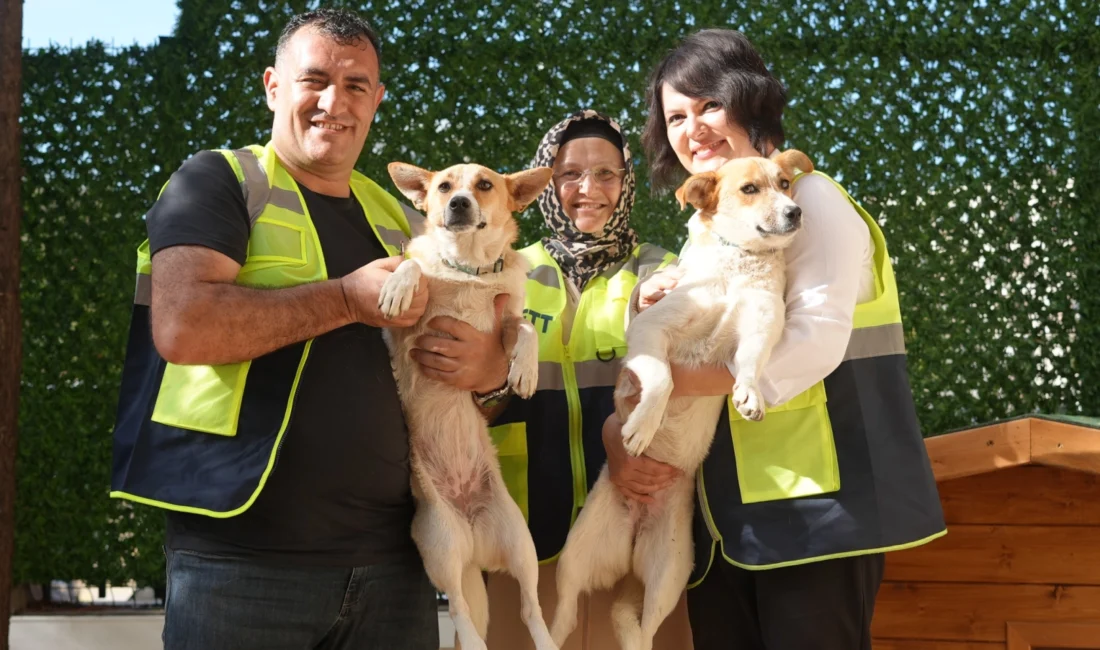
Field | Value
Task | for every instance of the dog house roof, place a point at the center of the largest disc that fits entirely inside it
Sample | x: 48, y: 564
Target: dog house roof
x: 1070, y: 442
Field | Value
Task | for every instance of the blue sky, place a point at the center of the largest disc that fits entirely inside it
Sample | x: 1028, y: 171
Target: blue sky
x: 77, y: 21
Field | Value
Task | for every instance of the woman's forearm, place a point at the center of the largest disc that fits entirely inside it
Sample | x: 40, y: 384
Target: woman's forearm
x: 701, y: 382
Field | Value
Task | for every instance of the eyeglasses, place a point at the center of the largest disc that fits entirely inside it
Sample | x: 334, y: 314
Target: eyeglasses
x: 601, y: 175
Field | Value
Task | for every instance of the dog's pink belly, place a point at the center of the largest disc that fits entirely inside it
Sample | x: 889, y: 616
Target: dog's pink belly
x: 464, y: 486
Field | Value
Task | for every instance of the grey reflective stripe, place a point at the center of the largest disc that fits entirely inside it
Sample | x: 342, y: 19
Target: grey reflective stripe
x: 650, y: 255
x: 545, y: 275
x: 550, y: 376
x: 143, y: 292
x: 255, y: 186
x: 878, y: 341
x: 649, y: 259
x: 590, y: 374
x: 285, y: 199
x: 393, y: 238
x: 417, y: 221
x: 595, y: 373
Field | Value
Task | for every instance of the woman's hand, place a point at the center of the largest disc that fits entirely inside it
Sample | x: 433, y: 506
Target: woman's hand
x: 658, y: 284
x: 637, y: 478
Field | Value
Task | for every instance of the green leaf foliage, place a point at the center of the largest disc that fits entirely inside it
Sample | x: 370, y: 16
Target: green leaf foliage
x: 969, y: 130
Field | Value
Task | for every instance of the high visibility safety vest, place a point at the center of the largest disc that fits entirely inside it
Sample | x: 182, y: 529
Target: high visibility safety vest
x: 550, y: 445
x: 204, y: 439
x: 839, y: 470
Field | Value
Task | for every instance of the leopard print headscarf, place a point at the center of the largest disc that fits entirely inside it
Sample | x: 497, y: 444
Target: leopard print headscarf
x: 582, y: 256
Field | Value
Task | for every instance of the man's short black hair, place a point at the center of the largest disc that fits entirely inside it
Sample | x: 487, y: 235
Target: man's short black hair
x: 343, y: 26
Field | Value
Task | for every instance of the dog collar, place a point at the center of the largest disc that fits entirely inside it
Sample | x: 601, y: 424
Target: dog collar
x: 723, y: 241
x: 497, y: 267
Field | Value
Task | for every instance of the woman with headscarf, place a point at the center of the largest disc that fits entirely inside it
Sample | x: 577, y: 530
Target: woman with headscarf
x: 551, y: 450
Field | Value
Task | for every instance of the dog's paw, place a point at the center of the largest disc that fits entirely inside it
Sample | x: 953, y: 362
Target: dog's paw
x: 524, y: 378
x: 749, y: 402
x: 397, y: 294
x: 638, y: 432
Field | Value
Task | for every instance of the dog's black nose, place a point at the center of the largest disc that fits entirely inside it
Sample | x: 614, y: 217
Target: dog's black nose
x: 793, y: 215
x: 459, y: 203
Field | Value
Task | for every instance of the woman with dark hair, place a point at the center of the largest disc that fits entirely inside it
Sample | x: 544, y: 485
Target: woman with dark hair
x: 550, y: 446
x: 795, y: 512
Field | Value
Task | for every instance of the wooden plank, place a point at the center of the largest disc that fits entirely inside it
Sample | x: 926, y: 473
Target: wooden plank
x: 975, y: 612
x: 1027, y: 495
x: 1003, y: 554
x: 1059, y: 444
x: 1048, y: 636
x: 980, y: 450
x: 11, y: 182
x: 902, y: 644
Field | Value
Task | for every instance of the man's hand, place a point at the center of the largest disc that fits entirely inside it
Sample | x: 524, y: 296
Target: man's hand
x: 657, y: 286
x: 472, y: 360
x: 361, y: 290
x: 638, y: 477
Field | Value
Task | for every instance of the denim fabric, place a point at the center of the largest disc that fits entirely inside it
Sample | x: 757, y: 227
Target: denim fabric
x: 220, y: 603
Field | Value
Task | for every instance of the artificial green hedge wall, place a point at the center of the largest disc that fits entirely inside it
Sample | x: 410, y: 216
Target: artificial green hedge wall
x: 971, y: 132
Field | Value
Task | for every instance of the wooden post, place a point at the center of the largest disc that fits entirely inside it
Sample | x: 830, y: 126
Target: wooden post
x: 11, y: 99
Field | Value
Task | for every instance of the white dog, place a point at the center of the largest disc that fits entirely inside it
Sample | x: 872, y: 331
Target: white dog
x: 728, y: 304
x: 465, y: 519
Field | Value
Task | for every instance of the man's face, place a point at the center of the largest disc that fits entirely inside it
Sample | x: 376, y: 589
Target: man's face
x: 324, y: 96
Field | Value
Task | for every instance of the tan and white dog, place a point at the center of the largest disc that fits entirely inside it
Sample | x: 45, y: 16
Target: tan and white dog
x: 465, y: 520
x: 728, y: 304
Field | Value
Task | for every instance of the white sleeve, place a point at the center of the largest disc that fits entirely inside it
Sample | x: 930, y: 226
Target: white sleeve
x: 826, y: 266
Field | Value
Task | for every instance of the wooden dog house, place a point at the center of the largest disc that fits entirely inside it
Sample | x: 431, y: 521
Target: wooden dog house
x: 1019, y: 568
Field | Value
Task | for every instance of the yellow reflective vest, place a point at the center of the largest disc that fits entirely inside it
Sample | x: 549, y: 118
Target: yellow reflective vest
x: 839, y: 470
x: 550, y: 446
x: 204, y: 439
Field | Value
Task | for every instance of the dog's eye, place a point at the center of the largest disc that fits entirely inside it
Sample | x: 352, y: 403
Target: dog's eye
x: 484, y: 186
x: 748, y: 188
x: 784, y: 184
x: 444, y: 187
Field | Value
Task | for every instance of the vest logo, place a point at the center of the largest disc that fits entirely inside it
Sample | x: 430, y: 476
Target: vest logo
x: 535, y: 317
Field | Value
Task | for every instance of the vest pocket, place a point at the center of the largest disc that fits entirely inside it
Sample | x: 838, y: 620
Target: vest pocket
x: 790, y: 454
x: 202, y: 398
x: 511, y: 443
x: 272, y: 244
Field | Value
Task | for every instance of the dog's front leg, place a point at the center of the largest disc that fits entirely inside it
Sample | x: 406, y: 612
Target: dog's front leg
x: 759, y: 330
x: 397, y: 292
x: 523, y: 376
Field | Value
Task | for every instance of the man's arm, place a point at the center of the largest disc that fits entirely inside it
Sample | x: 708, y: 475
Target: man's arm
x: 199, y: 316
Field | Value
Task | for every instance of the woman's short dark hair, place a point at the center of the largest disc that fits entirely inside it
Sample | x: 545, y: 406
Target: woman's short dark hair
x: 719, y: 64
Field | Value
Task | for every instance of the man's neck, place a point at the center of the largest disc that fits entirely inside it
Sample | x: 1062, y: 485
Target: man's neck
x: 336, y: 184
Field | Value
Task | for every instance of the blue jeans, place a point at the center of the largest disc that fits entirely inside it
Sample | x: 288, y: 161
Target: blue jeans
x: 216, y: 603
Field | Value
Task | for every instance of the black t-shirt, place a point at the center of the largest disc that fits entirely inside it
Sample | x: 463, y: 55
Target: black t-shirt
x: 339, y: 493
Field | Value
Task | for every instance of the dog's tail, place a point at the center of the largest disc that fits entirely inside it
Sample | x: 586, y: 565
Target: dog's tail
x: 473, y: 588
x: 626, y: 613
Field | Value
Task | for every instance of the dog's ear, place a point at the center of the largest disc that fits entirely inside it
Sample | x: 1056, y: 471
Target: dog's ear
x: 525, y: 186
x: 412, y: 181
x: 793, y: 159
x: 701, y: 190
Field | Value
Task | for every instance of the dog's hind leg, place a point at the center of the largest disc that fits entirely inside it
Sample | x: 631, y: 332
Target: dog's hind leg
x: 502, y: 524
x: 596, y: 553
x: 626, y: 613
x: 473, y: 588
x: 662, y: 559
x: 446, y: 546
